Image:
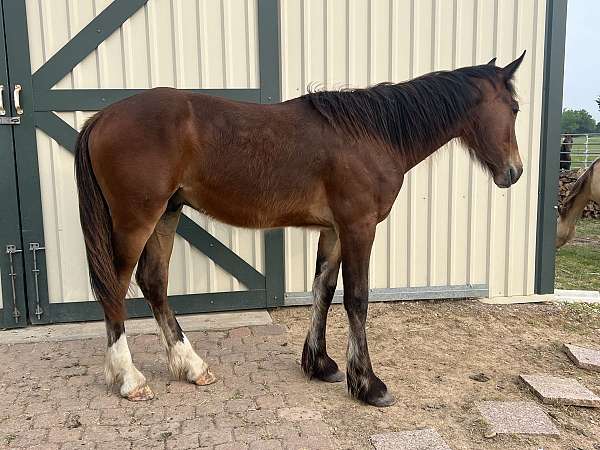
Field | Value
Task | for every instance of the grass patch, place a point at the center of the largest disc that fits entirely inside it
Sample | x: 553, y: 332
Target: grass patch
x: 578, y: 263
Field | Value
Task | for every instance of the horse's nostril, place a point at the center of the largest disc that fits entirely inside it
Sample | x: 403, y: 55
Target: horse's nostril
x: 513, y: 174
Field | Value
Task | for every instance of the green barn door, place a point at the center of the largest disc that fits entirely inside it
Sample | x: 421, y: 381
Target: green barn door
x: 12, y: 294
x: 57, y: 95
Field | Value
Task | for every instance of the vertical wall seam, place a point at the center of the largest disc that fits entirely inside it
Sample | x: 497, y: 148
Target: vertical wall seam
x: 432, y: 165
x: 509, y: 195
x: 174, y: 44
x: 491, y: 196
x: 532, y: 98
x: 148, y: 45
x: 472, y: 186
x: 451, y: 158
x: 223, y: 44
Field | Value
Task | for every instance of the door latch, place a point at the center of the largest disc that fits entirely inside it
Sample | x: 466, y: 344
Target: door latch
x: 2, y: 110
x: 10, y: 120
x: 34, y: 247
x: 10, y: 251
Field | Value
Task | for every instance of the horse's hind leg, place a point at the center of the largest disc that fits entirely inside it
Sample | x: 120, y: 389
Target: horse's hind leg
x: 152, y: 277
x: 119, y: 368
x: 315, y: 361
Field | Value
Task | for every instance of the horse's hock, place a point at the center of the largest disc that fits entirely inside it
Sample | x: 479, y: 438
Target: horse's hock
x: 566, y: 181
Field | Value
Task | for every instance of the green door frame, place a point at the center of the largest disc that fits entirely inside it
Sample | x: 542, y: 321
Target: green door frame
x: 552, y: 92
x: 13, y: 312
x: 39, y: 103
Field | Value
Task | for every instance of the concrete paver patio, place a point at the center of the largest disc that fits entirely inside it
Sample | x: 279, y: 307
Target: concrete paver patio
x: 52, y: 396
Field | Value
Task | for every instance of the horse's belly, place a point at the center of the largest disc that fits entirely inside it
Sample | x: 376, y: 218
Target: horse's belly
x: 261, y: 209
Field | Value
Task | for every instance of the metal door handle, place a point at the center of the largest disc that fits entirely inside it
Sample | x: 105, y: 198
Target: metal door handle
x: 2, y: 110
x: 17, y: 99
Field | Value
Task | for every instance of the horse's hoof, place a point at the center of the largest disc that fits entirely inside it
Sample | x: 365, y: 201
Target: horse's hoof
x: 141, y: 394
x: 334, y: 377
x: 382, y: 401
x: 206, y: 378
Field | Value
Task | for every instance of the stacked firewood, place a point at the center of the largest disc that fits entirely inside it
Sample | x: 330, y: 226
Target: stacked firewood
x: 566, y: 181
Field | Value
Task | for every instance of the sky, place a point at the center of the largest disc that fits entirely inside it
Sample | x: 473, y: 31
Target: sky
x: 582, y: 56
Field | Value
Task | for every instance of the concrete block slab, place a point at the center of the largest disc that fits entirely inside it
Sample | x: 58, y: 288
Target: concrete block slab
x: 516, y: 418
x: 586, y: 358
x: 87, y: 330
x: 426, y: 439
x: 561, y: 391
x: 576, y: 296
x: 518, y: 299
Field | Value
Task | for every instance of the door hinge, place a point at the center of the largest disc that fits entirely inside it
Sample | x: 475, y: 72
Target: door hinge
x: 34, y: 247
x: 10, y: 251
x: 10, y: 120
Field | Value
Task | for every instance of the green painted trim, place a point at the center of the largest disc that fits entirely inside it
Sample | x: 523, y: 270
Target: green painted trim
x: 219, y: 253
x: 181, y: 304
x: 96, y: 99
x: 275, y: 267
x: 32, y: 223
x: 270, y: 92
x: 554, y: 60
x: 84, y: 42
x: 189, y: 230
x: 57, y: 129
x: 268, y: 51
x: 10, y: 227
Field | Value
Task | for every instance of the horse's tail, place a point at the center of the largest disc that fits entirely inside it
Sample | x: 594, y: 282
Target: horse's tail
x: 97, y: 229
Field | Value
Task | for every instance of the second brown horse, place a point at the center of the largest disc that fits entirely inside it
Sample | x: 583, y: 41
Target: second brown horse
x: 330, y: 160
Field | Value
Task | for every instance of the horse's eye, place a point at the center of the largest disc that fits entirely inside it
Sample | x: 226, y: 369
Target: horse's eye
x: 515, y: 109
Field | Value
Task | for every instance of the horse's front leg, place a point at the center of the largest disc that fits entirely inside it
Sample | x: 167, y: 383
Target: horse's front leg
x: 316, y: 363
x: 357, y: 240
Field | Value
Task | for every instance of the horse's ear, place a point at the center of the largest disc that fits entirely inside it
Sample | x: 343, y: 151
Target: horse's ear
x: 492, y: 62
x: 509, y: 71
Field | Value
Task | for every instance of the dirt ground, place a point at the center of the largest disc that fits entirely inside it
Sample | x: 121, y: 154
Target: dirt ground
x: 425, y: 352
x: 53, y: 397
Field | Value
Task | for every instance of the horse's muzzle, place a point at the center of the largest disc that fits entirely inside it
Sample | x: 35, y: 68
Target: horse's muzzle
x: 510, y: 177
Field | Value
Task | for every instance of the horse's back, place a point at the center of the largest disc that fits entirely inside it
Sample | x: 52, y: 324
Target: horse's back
x: 243, y: 163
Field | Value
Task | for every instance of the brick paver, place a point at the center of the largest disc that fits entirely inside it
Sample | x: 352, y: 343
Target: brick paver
x: 426, y: 439
x: 561, y: 391
x: 516, y: 418
x: 586, y: 358
x: 52, y: 395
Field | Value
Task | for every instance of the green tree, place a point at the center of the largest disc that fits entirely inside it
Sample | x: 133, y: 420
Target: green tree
x: 577, y: 121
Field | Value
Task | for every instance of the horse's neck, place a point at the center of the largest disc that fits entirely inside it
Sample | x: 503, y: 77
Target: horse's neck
x: 567, y: 220
x: 427, y: 151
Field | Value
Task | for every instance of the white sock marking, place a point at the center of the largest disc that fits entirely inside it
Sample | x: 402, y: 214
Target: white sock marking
x: 119, y: 368
x: 184, y: 362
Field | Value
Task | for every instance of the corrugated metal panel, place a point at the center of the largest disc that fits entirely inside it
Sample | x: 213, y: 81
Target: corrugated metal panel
x: 450, y: 224
x: 179, y: 43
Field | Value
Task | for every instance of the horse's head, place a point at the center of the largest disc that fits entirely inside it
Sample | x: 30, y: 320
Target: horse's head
x: 565, y: 231
x: 491, y: 136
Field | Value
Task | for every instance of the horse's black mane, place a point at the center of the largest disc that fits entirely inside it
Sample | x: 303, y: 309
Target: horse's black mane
x: 409, y: 115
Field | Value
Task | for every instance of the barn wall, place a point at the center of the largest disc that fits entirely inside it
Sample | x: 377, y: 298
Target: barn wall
x: 450, y: 224
x: 179, y: 43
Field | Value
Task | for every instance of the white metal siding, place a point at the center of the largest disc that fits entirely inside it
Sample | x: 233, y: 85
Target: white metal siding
x: 179, y: 43
x: 450, y: 225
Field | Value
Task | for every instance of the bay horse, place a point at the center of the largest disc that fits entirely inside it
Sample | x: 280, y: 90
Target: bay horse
x: 333, y: 160
x: 585, y: 189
